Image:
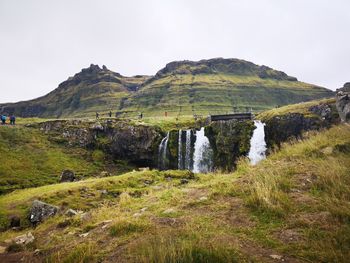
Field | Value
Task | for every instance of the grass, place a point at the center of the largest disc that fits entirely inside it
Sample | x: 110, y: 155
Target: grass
x: 30, y: 160
x: 294, y: 204
x: 302, y: 108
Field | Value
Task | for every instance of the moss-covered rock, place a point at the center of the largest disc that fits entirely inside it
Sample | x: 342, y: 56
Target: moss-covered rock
x: 229, y: 140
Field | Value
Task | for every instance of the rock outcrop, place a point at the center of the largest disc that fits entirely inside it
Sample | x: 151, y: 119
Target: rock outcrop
x: 67, y: 176
x: 281, y: 128
x: 40, y: 211
x: 123, y: 140
x: 343, y: 102
x: 230, y: 140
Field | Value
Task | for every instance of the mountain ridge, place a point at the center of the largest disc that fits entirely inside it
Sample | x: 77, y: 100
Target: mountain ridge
x: 181, y: 87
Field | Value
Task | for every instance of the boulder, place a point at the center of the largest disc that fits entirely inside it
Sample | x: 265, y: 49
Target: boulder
x: 24, y: 239
x: 15, y: 221
x: 71, y: 212
x: 41, y: 211
x: 67, y: 176
x: 343, y: 102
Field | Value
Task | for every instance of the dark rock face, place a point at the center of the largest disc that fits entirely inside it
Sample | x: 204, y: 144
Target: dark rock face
x: 343, y: 102
x: 15, y: 221
x: 121, y: 139
x: 41, y: 211
x: 229, y: 140
x: 67, y: 176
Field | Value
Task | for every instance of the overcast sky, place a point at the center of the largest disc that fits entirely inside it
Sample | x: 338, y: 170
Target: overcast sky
x: 43, y: 42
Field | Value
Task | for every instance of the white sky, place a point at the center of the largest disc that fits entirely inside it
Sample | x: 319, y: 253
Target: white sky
x: 43, y: 42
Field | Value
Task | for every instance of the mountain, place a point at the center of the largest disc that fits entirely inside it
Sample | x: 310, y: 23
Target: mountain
x: 93, y: 89
x: 181, y: 88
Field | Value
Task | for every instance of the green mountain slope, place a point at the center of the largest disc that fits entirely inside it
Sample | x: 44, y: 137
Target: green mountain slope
x: 93, y: 89
x: 219, y: 86
x: 181, y: 88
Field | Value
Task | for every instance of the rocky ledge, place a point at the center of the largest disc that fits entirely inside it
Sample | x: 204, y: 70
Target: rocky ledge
x: 343, y: 102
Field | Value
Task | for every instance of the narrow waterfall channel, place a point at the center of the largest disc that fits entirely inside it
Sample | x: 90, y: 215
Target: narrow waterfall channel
x: 257, y: 144
x: 188, y: 156
x: 203, y: 153
x: 162, y: 152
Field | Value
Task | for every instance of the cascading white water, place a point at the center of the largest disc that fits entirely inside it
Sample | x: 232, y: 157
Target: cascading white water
x: 188, y: 150
x: 202, y: 157
x: 179, y: 158
x: 257, y: 144
x: 162, y: 158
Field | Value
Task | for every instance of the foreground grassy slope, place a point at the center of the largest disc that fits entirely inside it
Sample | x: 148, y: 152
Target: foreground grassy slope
x: 293, y: 206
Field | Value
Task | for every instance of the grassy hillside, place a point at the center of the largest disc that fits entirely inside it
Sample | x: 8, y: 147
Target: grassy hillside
x: 302, y: 108
x: 205, y: 94
x: 294, y: 207
x: 30, y: 159
x: 181, y: 89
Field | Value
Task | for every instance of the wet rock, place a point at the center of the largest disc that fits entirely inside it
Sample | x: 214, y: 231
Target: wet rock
x: 24, y: 239
x: 67, y: 176
x: 41, y: 211
x: 343, y: 102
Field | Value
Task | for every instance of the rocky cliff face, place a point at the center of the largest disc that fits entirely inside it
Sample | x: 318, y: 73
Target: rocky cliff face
x: 343, y: 102
x: 230, y: 140
x: 121, y: 139
x: 281, y: 128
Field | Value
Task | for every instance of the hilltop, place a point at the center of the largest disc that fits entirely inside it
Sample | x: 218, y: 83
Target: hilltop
x: 181, y: 88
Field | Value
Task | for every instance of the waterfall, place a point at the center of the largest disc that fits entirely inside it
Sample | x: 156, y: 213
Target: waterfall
x: 162, y: 156
x: 203, y: 153
x: 179, y: 160
x: 188, y: 150
x: 257, y: 144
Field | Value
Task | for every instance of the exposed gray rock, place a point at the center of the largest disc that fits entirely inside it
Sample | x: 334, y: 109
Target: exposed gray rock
x: 343, y: 102
x: 24, y: 239
x: 41, y: 211
x: 67, y: 176
x: 71, y: 212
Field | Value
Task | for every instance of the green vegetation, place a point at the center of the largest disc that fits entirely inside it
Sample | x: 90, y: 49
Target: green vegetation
x: 203, y: 94
x: 30, y: 160
x: 181, y: 89
x: 302, y: 108
x: 293, y: 205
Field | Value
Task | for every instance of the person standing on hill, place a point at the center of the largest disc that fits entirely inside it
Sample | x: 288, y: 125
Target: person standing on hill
x: 12, y: 119
x: 3, y: 119
x: 97, y: 115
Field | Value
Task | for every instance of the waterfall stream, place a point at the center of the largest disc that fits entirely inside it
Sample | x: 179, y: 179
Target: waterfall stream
x: 162, y: 152
x: 257, y: 144
x: 203, y: 154
x: 188, y: 150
